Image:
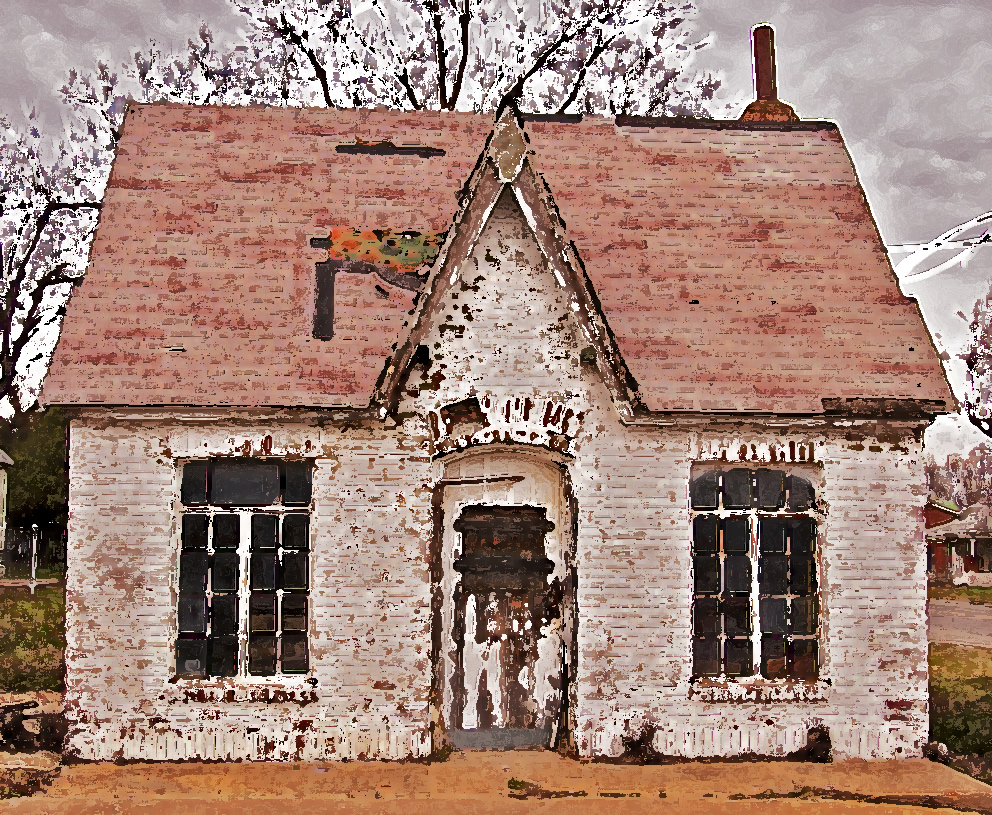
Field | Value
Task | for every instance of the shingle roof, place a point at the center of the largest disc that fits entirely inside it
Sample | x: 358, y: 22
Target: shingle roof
x: 738, y: 266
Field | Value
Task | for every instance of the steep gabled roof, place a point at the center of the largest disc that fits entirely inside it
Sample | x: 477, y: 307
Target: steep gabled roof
x: 736, y: 266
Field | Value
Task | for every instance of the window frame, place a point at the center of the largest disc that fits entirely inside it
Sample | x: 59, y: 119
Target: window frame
x: 243, y: 592
x: 753, y: 515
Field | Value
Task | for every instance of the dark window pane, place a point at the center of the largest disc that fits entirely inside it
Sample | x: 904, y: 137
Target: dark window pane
x: 736, y: 535
x: 224, y: 614
x: 771, y: 532
x: 802, y: 532
x: 803, y: 574
x: 771, y: 489
x: 225, y: 572
x: 294, y: 653
x: 737, y: 658
x: 294, y: 531
x: 772, y: 612
x: 194, y: 486
x: 299, y: 486
x: 773, y: 660
x: 703, y: 490
x: 705, y: 656
x: 704, y: 533
x: 263, y: 531
x: 263, y: 571
x: 227, y: 531
x: 191, y: 658
x: 294, y: 612
x: 737, y: 575
x: 193, y: 571
x: 707, y: 574
x: 773, y: 574
x: 706, y: 616
x: 737, y: 489
x: 262, y: 654
x: 801, y: 496
x: 803, y: 615
x: 195, y: 531
x: 223, y: 656
x: 736, y: 616
x: 804, y: 659
x: 192, y: 613
x: 244, y: 482
x: 262, y: 612
x: 294, y: 570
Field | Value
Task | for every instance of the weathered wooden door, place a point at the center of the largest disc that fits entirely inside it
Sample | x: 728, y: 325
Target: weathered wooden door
x: 505, y: 608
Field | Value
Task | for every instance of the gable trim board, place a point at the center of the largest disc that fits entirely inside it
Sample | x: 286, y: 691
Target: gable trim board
x: 521, y: 417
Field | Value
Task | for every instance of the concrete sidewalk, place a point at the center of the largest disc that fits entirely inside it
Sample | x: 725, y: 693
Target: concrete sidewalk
x: 960, y: 623
x: 476, y: 782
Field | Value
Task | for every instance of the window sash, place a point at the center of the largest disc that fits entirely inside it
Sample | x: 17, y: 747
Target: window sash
x: 246, y: 653
x: 724, y: 597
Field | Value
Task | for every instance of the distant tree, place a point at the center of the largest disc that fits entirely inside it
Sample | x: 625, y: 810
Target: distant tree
x: 546, y: 56
x: 977, y: 402
x: 36, y: 484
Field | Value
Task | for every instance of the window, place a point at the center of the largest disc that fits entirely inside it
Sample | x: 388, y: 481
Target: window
x: 754, y: 573
x: 243, y: 568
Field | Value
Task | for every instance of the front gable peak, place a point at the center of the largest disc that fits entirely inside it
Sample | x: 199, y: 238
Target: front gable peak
x: 506, y: 194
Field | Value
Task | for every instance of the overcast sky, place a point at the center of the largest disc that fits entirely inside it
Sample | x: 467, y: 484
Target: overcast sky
x: 908, y: 83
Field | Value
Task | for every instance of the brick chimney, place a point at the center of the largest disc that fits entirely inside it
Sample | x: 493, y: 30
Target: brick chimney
x: 766, y: 107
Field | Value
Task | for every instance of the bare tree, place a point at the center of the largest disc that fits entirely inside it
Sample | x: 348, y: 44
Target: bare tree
x: 549, y: 56
x: 977, y: 402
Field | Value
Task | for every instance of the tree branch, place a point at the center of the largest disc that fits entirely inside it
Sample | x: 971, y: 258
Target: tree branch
x: 12, y: 348
x: 289, y: 33
x: 440, y: 52
x: 464, y: 19
x: 601, y: 45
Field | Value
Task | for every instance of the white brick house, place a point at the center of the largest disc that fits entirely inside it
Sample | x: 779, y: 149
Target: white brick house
x: 633, y: 459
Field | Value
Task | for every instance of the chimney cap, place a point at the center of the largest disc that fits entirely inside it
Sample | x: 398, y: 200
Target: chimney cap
x: 766, y: 107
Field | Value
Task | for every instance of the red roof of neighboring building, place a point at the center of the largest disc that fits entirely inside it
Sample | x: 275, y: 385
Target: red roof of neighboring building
x: 738, y: 266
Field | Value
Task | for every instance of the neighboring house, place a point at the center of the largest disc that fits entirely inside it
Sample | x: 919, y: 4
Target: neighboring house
x: 959, y: 550
x: 394, y: 432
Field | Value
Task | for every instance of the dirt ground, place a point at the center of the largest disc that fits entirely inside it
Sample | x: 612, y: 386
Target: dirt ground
x: 518, y: 781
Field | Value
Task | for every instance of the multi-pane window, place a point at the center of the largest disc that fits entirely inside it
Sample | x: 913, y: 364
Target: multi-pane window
x: 754, y: 573
x: 243, y: 568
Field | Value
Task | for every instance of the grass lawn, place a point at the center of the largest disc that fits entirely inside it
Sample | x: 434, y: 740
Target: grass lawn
x: 32, y: 639
x: 965, y: 594
x: 961, y: 697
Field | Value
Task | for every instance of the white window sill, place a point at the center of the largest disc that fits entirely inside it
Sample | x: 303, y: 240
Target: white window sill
x: 295, y: 689
x: 758, y: 689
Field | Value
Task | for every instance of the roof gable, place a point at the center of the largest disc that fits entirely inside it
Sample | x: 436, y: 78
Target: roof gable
x: 504, y: 169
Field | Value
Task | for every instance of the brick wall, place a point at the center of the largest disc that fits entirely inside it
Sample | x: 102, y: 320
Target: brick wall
x: 369, y: 623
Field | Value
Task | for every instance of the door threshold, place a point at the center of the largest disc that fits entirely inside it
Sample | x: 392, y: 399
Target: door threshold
x: 501, y: 738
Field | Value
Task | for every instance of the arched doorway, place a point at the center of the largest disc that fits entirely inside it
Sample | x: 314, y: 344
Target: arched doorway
x: 504, y: 577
